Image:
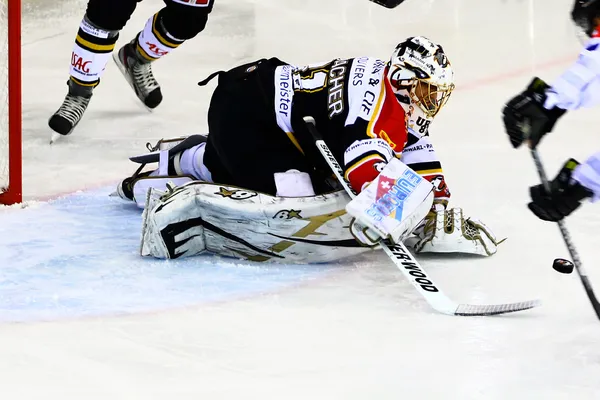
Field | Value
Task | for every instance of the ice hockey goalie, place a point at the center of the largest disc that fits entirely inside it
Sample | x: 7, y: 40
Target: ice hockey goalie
x: 257, y: 188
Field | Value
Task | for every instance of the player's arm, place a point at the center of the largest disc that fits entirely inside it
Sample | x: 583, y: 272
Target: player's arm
x: 579, y: 86
x: 364, y: 159
x: 419, y: 154
x: 370, y: 144
x: 533, y: 113
x: 588, y: 175
x: 444, y: 230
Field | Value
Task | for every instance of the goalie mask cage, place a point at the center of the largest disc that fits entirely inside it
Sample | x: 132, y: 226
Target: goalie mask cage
x: 10, y: 102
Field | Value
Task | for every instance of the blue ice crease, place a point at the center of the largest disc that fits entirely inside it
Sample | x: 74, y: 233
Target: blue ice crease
x: 78, y: 256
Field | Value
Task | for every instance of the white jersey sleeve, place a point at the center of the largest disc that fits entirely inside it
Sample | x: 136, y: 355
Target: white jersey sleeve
x: 588, y: 175
x: 579, y: 86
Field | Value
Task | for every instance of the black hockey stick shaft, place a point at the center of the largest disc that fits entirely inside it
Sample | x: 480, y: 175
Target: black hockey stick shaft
x: 567, y: 238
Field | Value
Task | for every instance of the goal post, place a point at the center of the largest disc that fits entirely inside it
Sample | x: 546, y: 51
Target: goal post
x: 10, y: 103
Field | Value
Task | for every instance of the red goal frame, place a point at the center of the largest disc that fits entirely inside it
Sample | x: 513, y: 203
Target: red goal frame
x: 14, y: 192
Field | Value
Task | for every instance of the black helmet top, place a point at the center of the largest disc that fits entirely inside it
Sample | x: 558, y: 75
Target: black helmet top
x: 585, y: 13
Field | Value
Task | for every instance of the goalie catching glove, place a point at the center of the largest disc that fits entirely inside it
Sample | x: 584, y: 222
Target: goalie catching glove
x: 448, y: 231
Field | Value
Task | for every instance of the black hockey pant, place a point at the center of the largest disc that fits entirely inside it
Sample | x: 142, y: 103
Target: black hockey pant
x: 182, y: 20
x: 245, y: 145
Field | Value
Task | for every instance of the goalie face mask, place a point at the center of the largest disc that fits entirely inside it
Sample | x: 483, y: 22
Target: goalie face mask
x: 422, y: 79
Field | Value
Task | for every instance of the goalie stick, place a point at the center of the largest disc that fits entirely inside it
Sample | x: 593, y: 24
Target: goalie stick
x: 567, y: 238
x: 407, y: 263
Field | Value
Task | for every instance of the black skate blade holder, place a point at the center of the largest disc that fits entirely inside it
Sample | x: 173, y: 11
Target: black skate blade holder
x: 174, y: 146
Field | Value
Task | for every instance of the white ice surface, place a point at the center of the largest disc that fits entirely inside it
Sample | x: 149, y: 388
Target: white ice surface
x: 81, y: 317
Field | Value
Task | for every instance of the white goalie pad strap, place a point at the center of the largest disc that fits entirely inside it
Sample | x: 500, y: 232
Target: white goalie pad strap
x: 174, y: 146
x: 448, y: 231
x: 394, y: 203
x: 163, y: 163
x: 144, y: 184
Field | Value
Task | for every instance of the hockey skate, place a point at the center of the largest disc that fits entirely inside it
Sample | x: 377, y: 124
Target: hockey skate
x: 127, y: 189
x: 138, y: 72
x: 63, y: 121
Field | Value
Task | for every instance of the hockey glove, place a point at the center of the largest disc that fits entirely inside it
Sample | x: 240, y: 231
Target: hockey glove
x: 565, y: 195
x: 525, y: 117
x: 388, y: 3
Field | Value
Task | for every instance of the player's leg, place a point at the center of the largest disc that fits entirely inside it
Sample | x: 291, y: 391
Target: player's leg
x: 95, y: 41
x: 178, y: 21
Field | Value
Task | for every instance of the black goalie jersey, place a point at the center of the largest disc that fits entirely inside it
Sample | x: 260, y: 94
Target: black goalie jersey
x: 359, y: 117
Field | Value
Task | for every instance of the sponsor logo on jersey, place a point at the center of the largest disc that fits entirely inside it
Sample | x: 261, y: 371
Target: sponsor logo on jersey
x: 284, y: 94
x: 383, y: 134
x: 423, y: 125
x: 359, y: 70
x: 335, y: 98
x: 367, y: 102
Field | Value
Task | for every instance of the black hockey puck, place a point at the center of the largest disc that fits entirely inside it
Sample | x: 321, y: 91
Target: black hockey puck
x: 563, y: 266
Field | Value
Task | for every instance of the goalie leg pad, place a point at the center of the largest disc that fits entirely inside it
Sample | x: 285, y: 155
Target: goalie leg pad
x: 167, y: 230
x: 231, y: 221
x: 159, y: 184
